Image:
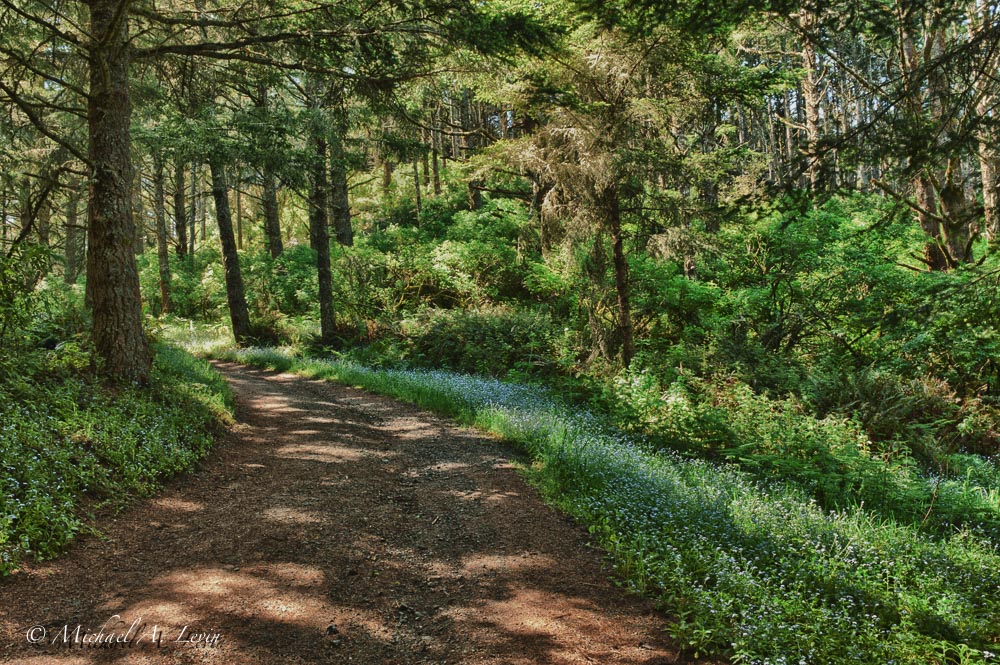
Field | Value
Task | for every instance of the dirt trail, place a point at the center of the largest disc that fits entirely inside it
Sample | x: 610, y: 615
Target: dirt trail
x: 333, y: 526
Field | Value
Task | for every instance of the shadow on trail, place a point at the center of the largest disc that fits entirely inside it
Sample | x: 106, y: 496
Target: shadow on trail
x: 336, y: 526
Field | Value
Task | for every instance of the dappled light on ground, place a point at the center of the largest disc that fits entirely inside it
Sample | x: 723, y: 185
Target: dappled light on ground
x: 333, y: 526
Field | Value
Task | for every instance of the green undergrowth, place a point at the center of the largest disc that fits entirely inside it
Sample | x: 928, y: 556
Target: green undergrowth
x: 69, y: 445
x: 751, y: 568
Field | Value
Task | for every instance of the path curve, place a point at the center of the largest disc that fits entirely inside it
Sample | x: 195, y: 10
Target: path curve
x: 333, y: 526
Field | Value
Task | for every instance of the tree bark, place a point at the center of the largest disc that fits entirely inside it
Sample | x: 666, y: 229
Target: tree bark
x: 239, y: 213
x: 180, y: 221
x: 988, y: 151
x: 112, y: 277
x: 386, y: 176
x: 810, y: 97
x: 319, y: 237
x: 193, y: 209
x: 139, y: 214
x: 620, y: 264
x: 416, y: 189
x: 272, y: 221
x: 74, y: 238
x: 162, y: 248
x: 435, y: 168
x: 235, y: 295
x: 340, y: 202
x: 425, y: 158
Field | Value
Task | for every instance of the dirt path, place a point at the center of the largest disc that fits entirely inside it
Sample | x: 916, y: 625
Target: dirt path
x: 333, y: 526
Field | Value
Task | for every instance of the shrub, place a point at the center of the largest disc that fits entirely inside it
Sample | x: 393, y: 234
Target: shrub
x: 493, y: 342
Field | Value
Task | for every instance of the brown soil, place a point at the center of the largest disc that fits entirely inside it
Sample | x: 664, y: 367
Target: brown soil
x: 333, y: 526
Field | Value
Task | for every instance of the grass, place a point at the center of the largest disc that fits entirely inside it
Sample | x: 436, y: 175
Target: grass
x: 68, y: 445
x: 752, y: 570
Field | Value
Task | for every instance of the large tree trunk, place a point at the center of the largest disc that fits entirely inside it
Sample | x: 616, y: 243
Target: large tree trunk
x: 160, y: 216
x: 180, y: 220
x: 319, y: 237
x: 928, y: 218
x: 613, y: 211
x: 112, y: 277
x: 238, y: 312
x: 272, y: 222
x: 957, y: 211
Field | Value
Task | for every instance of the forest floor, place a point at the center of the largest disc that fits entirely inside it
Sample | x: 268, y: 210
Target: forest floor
x: 333, y: 526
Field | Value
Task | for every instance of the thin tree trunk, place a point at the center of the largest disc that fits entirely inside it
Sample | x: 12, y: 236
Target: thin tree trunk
x: 235, y: 295
x: 810, y: 97
x: 416, y: 189
x: 140, y: 213
x: 272, y: 221
x: 180, y: 222
x: 74, y: 238
x: 386, y: 176
x: 43, y: 224
x: 340, y: 202
x: 162, y: 248
x: 988, y: 152
x: 621, y: 276
x: 239, y: 215
x: 112, y: 277
x: 193, y: 208
x: 426, y: 160
x: 203, y: 210
x: 319, y: 238
x: 435, y: 154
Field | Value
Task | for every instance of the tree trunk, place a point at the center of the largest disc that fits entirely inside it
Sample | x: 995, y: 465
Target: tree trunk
x: 180, y: 222
x: 810, y: 97
x: 139, y: 214
x: 74, y: 238
x: 613, y: 210
x: 272, y: 221
x: 416, y: 189
x: 43, y: 222
x: 239, y: 214
x: 162, y: 249
x: 340, y: 202
x: 386, y: 176
x: 112, y: 277
x: 193, y: 209
x: 435, y: 169
x: 986, y: 91
x: 425, y: 158
x: 475, y: 194
x: 238, y: 312
x: 319, y: 238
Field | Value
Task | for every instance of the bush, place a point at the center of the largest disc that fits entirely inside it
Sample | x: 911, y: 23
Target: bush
x: 21, y: 269
x: 198, y: 288
x: 493, y: 342
x: 922, y: 415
